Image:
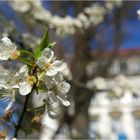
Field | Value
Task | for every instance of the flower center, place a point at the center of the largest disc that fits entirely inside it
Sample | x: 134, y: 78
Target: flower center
x: 14, y: 54
x: 31, y: 80
x: 48, y: 66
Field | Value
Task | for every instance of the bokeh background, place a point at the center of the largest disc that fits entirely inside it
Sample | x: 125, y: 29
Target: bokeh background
x: 100, y: 41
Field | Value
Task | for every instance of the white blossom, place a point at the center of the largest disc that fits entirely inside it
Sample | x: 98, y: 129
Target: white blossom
x: 21, y: 6
x: 24, y: 81
x: 20, y: 80
x: 90, y: 16
x: 48, y: 63
x: 46, y: 69
x: 57, y: 89
x: 8, y: 49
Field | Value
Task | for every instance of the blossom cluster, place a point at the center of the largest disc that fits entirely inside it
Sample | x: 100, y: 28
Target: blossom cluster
x: 46, y: 73
x: 90, y: 16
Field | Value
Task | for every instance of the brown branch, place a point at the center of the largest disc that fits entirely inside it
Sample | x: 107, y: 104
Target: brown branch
x: 83, y: 86
x: 18, y: 126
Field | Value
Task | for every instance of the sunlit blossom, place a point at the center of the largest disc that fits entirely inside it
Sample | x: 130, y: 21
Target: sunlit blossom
x: 48, y: 63
x: 8, y: 49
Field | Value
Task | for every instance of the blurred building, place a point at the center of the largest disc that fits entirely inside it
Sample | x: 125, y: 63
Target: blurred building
x: 127, y: 62
x: 116, y: 117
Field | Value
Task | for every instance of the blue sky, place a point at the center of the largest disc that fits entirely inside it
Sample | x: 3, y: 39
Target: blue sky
x: 130, y: 28
x: 131, y: 31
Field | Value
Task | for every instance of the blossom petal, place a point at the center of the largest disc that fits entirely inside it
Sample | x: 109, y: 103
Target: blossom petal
x: 4, y: 55
x: 6, y: 48
x: 51, y: 72
x: 49, y: 54
x: 23, y: 71
x: 6, y: 41
x: 58, y: 77
x: 52, y: 96
x: 64, y: 88
x: 49, y: 82
x: 41, y: 62
x: 25, y: 88
x: 62, y: 99
x: 59, y: 65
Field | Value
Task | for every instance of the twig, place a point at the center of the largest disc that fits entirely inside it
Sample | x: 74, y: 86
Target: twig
x: 83, y: 86
x: 18, y: 126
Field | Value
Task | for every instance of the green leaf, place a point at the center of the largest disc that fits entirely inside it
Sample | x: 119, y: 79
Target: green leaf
x: 27, y: 53
x: 51, y: 44
x: 43, y: 44
x: 25, y: 61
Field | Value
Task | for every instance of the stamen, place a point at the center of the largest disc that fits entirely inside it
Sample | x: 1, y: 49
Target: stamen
x: 14, y: 54
x: 48, y: 66
x: 31, y: 80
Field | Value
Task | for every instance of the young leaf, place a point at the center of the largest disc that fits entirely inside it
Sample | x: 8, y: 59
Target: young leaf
x: 43, y: 44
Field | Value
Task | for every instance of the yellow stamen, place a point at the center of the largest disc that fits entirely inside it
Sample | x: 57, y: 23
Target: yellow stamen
x: 14, y: 54
x: 31, y: 80
x: 48, y: 66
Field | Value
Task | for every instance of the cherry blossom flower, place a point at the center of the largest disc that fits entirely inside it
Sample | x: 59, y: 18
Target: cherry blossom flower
x: 8, y: 49
x: 20, y: 80
x: 57, y: 89
x: 48, y: 63
x: 24, y: 81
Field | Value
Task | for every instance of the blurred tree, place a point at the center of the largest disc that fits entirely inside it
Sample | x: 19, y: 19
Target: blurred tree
x: 80, y: 95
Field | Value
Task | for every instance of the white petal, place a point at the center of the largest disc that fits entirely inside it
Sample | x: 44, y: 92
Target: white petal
x: 64, y: 88
x: 58, y: 77
x: 5, y: 52
x: 59, y: 65
x: 52, y: 96
x: 41, y: 62
x: 6, y: 48
x: 4, y: 56
x: 51, y: 72
x: 25, y: 88
x: 23, y: 71
x: 5, y: 40
x: 49, y: 54
x: 49, y: 82
x: 62, y: 99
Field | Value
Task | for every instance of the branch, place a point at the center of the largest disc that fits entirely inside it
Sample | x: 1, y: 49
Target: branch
x: 80, y: 85
x: 18, y: 126
x: 83, y: 86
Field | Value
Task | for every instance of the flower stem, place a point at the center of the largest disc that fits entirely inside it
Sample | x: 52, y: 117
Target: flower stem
x: 18, y: 126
